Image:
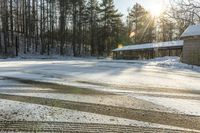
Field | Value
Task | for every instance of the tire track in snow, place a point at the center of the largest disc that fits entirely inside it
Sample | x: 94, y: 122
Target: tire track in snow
x: 31, y: 126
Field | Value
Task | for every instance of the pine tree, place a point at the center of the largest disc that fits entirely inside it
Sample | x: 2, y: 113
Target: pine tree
x: 62, y: 20
x: 93, y: 16
x: 142, y: 24
x: 109, y: 18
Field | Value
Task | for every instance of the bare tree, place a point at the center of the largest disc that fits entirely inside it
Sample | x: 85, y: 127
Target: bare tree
x: 184, y: 13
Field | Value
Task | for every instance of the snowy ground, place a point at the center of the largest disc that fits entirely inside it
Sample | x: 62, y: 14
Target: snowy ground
x: 159, y: 85
x: 166, y: 72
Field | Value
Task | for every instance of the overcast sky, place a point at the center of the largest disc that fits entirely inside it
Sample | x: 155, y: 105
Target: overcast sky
x: 123, y: 5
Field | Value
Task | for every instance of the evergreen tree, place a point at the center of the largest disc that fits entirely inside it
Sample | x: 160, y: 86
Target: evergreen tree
x: 141, y: 24
x: 93, y: 16
x: 109, y: 18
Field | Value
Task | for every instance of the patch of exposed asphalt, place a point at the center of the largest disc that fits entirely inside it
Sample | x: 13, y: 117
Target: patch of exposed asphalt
x: 44, y: 75
x: 60, y: 88
x: 94, y: 83
x: 15, y: 91
x: 178, y: 120
x: 2, y: 78
x: 142, y: 88
x: 14, y: 86
x: 31, y: 126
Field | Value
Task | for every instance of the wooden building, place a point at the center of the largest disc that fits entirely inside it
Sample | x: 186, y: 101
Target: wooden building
x: 191, y: 48
x: 149, y: 51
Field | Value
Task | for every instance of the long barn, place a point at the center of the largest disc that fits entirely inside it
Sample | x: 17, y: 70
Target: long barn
x: 149, y: 51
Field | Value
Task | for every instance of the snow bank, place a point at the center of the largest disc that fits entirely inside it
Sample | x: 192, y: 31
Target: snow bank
x: 173, y: 63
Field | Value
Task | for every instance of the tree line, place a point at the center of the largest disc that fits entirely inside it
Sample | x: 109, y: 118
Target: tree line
x: 86, y: 27
x: 65, y: 27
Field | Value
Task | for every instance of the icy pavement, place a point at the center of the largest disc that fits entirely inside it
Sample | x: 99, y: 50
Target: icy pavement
x: 159, y: 73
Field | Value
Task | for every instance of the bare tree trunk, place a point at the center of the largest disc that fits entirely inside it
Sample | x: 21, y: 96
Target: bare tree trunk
x: 41, y: 25
x: 5, y: 28
x: 74, y: 27
x: 11, y: 25
x: 17, y: 24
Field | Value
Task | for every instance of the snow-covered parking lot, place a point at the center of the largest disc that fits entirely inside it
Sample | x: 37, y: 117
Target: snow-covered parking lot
x: 165, y: 72
x: 160, y: 93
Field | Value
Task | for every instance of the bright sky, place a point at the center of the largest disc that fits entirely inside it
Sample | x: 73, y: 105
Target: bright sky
x: 123, y: 5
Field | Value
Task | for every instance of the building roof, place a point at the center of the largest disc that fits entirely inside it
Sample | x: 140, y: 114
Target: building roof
x: 193, y: 30
x: 151, y: 46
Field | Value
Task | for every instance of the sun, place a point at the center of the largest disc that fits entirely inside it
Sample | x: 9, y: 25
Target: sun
x: 156, y: 10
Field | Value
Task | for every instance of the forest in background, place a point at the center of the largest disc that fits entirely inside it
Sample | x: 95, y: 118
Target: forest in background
x: 86, y: 27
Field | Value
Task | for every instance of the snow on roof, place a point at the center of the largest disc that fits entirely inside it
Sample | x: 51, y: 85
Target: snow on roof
x: 193, y: 30
x: 151, y: 46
